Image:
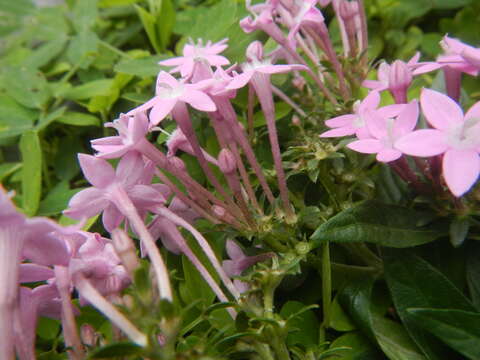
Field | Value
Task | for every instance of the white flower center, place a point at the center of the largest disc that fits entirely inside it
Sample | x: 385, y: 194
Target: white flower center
x: 165, y: 91
x: 465, y: 135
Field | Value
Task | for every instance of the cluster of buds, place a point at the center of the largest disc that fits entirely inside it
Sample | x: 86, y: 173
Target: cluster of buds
x: 450, y: 141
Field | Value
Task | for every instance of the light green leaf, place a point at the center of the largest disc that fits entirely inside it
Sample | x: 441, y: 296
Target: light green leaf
x: 14, y: 118
x: 27, y: 86
x: 146, y: 67
x: 357, y: 347
x: 46, y: 52
x: 89, y: 89
x: 7, y: 169
x: 85, y: 14
x: 115, y: 3
x: 31, y: 171
x: 45, y: 120
x: 79, y: 119
x: 82, y: 47
x: 166, y: 22
x: 339, y: 320
x: 148, y: 21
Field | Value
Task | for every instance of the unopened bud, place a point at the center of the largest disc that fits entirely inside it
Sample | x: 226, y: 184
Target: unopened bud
x: 177, y: 163
x: 296, y: 120
x: 88, y: 335
x: 254, y: 51
x: 226, y: 161
x: 125, y: 250
x: 399, y: 80
x: 348, y: 9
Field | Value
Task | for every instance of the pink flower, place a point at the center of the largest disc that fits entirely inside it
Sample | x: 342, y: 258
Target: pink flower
x: 169, y: 91
x: 192, y: 54
x: 385, y: 132
x: 355, y: 123
x: 455, y: 135
x: 129, y: 175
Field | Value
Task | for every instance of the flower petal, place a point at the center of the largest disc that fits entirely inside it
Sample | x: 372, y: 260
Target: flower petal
x: 387, y: 155
x: 366, y: 146
x: 34, y: 272
x: 111, y: 217
x: 199, y: 100
x: 160, y: 110
x: 407, y: 120
x: 240, y: 81
x: 98, y: 171
x: 371, y: 101
x: 460, y: 170
x: 130, y: 169
x: 425, y: 142
x: 86, y: 203
x: 341, y: 131
x: 342, y: 120
x: 439, y: 109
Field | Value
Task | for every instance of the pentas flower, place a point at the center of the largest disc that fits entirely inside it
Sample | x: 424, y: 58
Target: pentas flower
x: 355, y: 124
x: 472, y: 55
x: 454, y: 134
x: 170, y: 91
x: 131, y: 131
x: 101, y: 197
x: 178, y: 141
x: 198, y: 53
x: 385, y: 132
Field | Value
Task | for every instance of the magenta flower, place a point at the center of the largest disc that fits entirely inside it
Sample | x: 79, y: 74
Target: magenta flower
x: 355, y: 123
x: 169, y: 91
x: 455, y: 135
x: 192, y: 54
x: 385, y: 132
x: 101, y: 197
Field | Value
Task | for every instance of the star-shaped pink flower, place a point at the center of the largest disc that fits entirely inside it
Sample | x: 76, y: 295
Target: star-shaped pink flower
x: 454, y: 134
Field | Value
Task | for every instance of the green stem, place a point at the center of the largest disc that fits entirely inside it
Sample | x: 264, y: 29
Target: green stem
x: 326, y: 290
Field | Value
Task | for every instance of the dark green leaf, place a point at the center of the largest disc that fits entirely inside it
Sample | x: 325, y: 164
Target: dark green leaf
x: 196, y: 286
x: 415, y: 283
x: 120, y: 349
x: 459, y: 231
x: 31, y: 171
x: 473, y: 273
x: 378, y: 223
x: 281, y: 110
x: 47, y: 328
x: 358, y: 347
x: 339, y: 320
x: 57, y: 199
x: 459, y: 329
x: 45, y: 120
x: 303, y: 328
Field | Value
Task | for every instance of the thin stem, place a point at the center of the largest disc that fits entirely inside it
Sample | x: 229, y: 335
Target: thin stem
x: 97, y: 300
x: 326, y: 288
x: 128, y: 209
x: 289, y: 101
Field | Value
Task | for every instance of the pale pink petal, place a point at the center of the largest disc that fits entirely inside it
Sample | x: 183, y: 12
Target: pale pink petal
x: 460, y: 170
x: 366, y: 146
x: 198, y: 100
x: 97, y: 171
x: 179, y: 60
x: 473, y: 112
x: 109, y: 140
x: 276, y: 69
x: 407, y: 120
x: 439, y: 109
x: 186, y: 68
x: 144, y: 196
x: 427, y: 67
x: 34, y: 273
x: 341, y: 131
x: 86, y: 203
x: 111, y: 217
x: 387, y: 155
x: 217, y: 60
x: 166, y: 78
x: 234, y: 251
x: 363, y: 133
x: 376, y: 124
x: 425, y: 142
x: 161, y: 109
x: 390, y: 111
x: 240, y: 81
x: 371, y: 101
x: 130, y: 168
x: 374, y: 85
x: 340, y: 121
x: 138, y: 126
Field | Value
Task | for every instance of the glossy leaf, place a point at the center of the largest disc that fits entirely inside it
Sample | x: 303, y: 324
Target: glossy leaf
x: 415, y: 283
x: 31, y: 171
x: 459, y: 329
x: 378, y: 223
x: 303, y: 328
x: 357, y: 347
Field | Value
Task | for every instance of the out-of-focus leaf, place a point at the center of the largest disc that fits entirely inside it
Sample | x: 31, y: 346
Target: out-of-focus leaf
x: 48, y: 24
x: 195, y: 285
x: 120, y: 349
x: 115, y: 3
x: 56, y: 200
x: 89, y: 89
x: 473, y: 273
x: 27, y: 86
x: 45, y: 120
x: 31, y: 171
x: 14, y: 118
x: 7, y: 169
x: 79, y: 119
x: 378, y: 223
x: 148, y: 21
x: 47, y: 328
x: 147, y: 67
x: 166, y: 22
x: 358, y: 347
x: 84, y: 15
x: 459, y: 329
x: 415, y: 283
x: 459, y: 231
x: 339, y: 320
x: 46, y: 52
x: 11, y: 14
x: 450, y: 4
x: 65, y: 162
x: 281, y: 110
x: 82, y: 47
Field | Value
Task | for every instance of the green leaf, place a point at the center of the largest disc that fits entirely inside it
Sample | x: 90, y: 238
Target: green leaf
x: 357, y: 347
x: 31, y: 171
x: 459, y: 230
x: 147, y: 67
x: 196, y: 287
x: 57, y: 199
x: 12, y: 13
x: 82, y: 47
x: 47, y: 328
x: 7, y: 169
x: 89, y: 89
x: 415, y: 283
x: 473, y: 273
x: 14, y: 118
x: 79, y: 119
x: 148, y: 22
x: 27, y: 86
x: 166, y: 22
x: 45, y: 120
x: 115, y: 3
x: 450, y: 4
x: 85, y: 14
x: 281, y: 110
x: 46, y: 52
x: 459, y: 329
x: 119, y: 349
x: 339, y: 320
x: 378, y: 223
x: 303, y: 328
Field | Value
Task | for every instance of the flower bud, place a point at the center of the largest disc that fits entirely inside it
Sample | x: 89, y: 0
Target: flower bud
x: 226, y: 161
x: 348, y: 9
x: 88, y: 335
x: 125, y: 250
x: 255, y: 51
x: 399, y: 80
x: 177, y: 163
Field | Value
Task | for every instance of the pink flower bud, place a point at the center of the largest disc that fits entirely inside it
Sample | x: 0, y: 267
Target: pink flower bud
x: 296, y: 120
x: 88, y: 335
x: 348, y: 9
x: 254, y: 51
x: 226, y: 161
x: 399, y: 80
x: 177, y: 163
x: 125, y: 249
